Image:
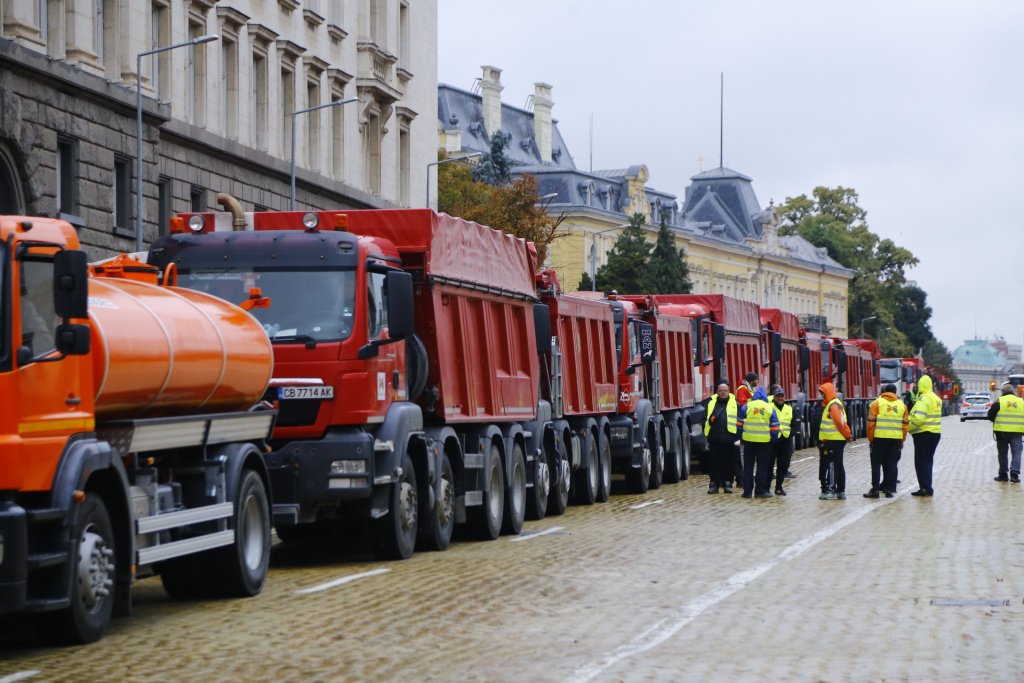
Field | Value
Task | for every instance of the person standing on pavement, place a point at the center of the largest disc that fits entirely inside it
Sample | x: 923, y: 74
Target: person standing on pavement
x: 832, y: 437
x: 926, y: 428
x: 887, y: 431
x: 759, y: 429
x: 743, y: 394
x: 1008, y: 415
x: 720, y: 428
x: 782, y: 449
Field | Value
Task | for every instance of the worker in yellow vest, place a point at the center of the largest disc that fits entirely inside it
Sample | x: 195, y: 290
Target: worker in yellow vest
x: 926, y: 428
x: 782, y: 449
x: 721, y: 431
x: 1008, y: 415
x: 832, y: 437
x: 888, y: 420
x: 758, y: 428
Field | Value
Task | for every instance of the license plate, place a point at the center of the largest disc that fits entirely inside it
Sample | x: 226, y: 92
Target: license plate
x: 317, y: 391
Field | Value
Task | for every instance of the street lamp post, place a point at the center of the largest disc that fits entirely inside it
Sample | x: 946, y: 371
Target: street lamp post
x: 736, y: 281
x: 881, y: 336
x: 864, y: 320
x: 304, y: 111
x: 593, y: 254
x: 768, y: 288
x: 138, y: 126
x: 445, y: 161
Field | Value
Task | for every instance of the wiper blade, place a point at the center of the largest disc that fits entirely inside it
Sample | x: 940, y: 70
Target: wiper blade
x: 292, y: 337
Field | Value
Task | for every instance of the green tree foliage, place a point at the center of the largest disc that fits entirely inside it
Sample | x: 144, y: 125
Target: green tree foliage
x: 627, y: 261
x: 586, y: 284
x: 667, y: 272
x: 511, y: 207
x: 495, y: 167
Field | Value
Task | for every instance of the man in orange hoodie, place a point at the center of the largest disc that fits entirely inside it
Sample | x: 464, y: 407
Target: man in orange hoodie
x: 832, y: 437
x: 887, y: 431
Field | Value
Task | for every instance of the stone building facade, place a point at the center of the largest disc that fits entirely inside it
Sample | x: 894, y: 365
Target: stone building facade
x: 732, y: 245
x: 216, y: 116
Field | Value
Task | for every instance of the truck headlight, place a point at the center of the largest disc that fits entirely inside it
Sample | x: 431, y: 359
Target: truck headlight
x: 348, y: 467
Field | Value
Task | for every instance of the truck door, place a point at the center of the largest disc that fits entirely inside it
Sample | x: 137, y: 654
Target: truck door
x: 387, y: 370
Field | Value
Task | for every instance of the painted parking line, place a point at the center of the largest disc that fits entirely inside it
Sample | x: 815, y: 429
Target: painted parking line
x: 534, y: 534
x: 337, y: 582
x: 665, y: 628
x: 20, y: 676
x: 647, y: 504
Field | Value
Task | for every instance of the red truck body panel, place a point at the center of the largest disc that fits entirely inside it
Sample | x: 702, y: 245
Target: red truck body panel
x: 787, y: 325
x: 585, y: 334
x: 866, y: 379
x: 816, y: 369
x: 674, y: 351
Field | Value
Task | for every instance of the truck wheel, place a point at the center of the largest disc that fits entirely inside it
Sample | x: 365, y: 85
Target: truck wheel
x: 240, y: 569
x: 657, y: 460
x: 561, y: 477
x: 684, y: 473
x: 438, y: 525
x: 395, y: 533
x: 585, y: 481
x: 638, y: 479
x: 92, y: 581
x: 537, y: 495
x: 486, y: 518
x: 515, y: 499
x: 674, y: 458
x: 604, y: 483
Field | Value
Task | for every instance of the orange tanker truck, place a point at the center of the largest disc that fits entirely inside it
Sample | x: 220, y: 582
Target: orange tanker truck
x: 130, y: 439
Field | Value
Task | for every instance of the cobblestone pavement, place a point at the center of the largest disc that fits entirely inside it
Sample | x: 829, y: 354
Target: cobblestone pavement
x: 675, y: 585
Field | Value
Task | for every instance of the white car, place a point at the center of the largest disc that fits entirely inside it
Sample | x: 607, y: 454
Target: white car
x: 975, y: 407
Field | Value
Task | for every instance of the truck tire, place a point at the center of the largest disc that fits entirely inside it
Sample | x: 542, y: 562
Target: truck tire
x: 415, y: 367
x: 485, y: 519
x: 657, y: 459
x: 537, y: 495
x: 585, y: 481
x: 638, y: 479
x: 438, y: 524
x: 561, y: 479
x: 92, y: 583
x: 240, y: 569
x: 604, y: 482
x: 674, y: 458
x: 394, y: 534
x: 684, y: 473
x: 515, y: 498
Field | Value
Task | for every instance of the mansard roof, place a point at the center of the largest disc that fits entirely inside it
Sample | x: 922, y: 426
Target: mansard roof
x: 978, y: 352
x: 725, y: 198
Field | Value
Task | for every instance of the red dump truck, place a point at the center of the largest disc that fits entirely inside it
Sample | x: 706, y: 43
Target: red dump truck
x: 131, y: 440
x: 860, y: 384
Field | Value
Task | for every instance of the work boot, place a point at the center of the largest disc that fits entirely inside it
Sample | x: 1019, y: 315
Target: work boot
x: 713, y: 488
x: 790, y: 475
x: 744, y: 495
x: 1002, y: 477
x: 764, y: 494
x: 841, y: 495
x: 921, y: 493
x: 873, y: 493
x: 827, y: 496
x: 779, y: 491
x: 1014, y: 478
x: 888, y: 494
x: 727, y: 487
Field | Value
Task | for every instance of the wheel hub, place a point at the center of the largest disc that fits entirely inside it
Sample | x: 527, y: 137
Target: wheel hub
x: 563, y: 477
x: 446, y: 510
x: 407, y: 506
x: 95, y: 569
x: 251, y: 533
x: 542, y: 479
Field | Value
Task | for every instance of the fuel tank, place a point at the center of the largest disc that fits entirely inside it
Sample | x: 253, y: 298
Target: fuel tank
x: 164, y: 351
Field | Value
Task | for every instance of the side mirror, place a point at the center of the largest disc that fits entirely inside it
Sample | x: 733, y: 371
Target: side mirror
x: 70, y: 284
x: 776, y: 346
x: 542, y: 328
x: 718, y: 341
x: 648, y: 352
x: 73, y: 339
x: 805, y: 358
x: 841, y: 363
x: 400, y: 304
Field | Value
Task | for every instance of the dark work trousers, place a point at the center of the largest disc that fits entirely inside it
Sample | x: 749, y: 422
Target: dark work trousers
x: 782, y: 454
x: 885, y: 457
x: 925, y: 444
x: 721, y: 456
x: 761, y: 455
x: 831, y: 471
x: 737, y: 464
x: 1011, y: 441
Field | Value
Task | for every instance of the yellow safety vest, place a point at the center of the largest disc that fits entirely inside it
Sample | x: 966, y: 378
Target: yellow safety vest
x: 731, y: 410
x: 828, y: 430
x: 757, y: 423
x: 1010, y: 417
x: 926, y: 415
x: 889, y: 423
x: 785, y: 414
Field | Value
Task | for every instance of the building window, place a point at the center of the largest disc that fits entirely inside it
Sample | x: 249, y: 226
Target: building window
x: 161, y: 37
x: 196, y: 76
x: 403, y: 36
x: 259, y: 101
x: 66, y: 175
x: 122, y: 195
x: 313, y: 126
x: 403, y: 167
x: 163, y: 212
x: 197, y: 199
x: 287, y: 107
x: 229, y: 88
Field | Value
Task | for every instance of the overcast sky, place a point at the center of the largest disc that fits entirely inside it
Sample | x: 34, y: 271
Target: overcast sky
x: 918, y: 106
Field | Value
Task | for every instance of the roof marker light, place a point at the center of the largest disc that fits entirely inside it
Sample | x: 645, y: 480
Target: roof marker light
x: 310, y: 220
x: 196, y: 223
x: 341, y: 222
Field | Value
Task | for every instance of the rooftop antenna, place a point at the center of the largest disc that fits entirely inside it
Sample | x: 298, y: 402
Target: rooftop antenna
x: 721, y: 118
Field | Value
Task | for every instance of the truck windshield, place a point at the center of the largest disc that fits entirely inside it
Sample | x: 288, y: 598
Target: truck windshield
x: 306, y: 305
x: 889, y: 374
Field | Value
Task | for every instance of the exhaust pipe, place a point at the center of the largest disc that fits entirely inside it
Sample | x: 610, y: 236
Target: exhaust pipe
x: 232, y: 205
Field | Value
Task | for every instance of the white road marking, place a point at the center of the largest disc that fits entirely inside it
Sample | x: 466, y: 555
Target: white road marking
x: 536, y: 534
x: 20, y: 676
x: 337, y: 582
x: 983, y: 448
x: 643, y: 505
x: 665, y: 628
x: 809, y: 457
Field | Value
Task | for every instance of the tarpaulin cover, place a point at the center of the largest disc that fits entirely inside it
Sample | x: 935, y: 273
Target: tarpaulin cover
x: 736, y: 314
x: 783, y: 322
x: 455, y: 248
x: 867, y: 345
